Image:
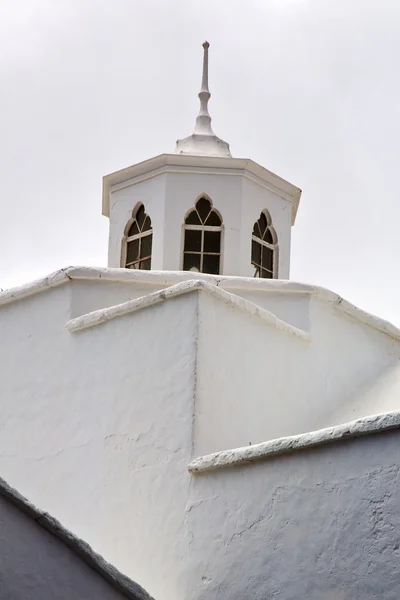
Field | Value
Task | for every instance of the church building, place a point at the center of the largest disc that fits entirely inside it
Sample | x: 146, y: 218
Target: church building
x: 211, y: 427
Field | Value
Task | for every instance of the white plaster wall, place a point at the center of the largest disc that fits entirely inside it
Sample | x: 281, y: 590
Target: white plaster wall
x: 96, y: 427
x: 183, y: 189
x: 87, y: 296
x: 321, y: 524
x: 293, y: 308
x: 151, y: 193
x: 90, y: 295
x: 168, y: 197
x: 282, y: 385
x: 37, y: 565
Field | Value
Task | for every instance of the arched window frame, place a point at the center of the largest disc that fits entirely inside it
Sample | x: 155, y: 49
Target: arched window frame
x: 139, y: 236
x: 203, y: 228
x: 274, y: 246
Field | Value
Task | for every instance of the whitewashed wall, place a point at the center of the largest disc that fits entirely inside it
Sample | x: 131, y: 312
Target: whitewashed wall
x: 37, y: 565
x: 151, y: 193
x: 96, y: 427
x: 321, y: 524
x: 256, y: 383
x: 99, y: 426
x: 168, y: 197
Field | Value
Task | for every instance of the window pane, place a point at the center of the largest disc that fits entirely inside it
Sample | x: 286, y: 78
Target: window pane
x: 132, y: 251
x: 203, y: 208
x: 268, y: 237
x: 192, y: 240
x: 140, y: 216
x: 262, y: 223
x: 211, y: 264
x: 267, y: 258
x: 146, y: 245
x: 255, y: 252
x: 134, y: 229
x: 213, y: 219
x: 191, y: 260
x: 145, y: 265
x: 212, y: 241
x: 147, y: 223
x: 193, y: 218
x: 266, y: 274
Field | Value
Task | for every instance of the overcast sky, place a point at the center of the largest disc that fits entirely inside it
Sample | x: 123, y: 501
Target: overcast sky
x: 310, y: 89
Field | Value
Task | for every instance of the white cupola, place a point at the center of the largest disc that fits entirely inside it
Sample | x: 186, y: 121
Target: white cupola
x: 199, y: 209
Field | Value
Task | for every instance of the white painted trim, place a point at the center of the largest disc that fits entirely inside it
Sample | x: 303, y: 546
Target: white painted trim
x: 249, y: 454
x: 254, y: 238
x: 228, y: 282
x: 200, y: 164
x: 200, y: 171
x: 121, y: 583
x: 203, y: 227
x: 106, y: 314
x: 275, y: 256
x: 34, y: 287
x: 219, y: 228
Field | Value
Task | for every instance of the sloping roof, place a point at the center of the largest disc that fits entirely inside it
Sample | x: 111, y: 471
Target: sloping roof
x: 117, y: 580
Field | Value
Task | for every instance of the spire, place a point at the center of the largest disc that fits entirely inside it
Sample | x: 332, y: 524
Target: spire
x: 203, y: 141
x: 203, y: 121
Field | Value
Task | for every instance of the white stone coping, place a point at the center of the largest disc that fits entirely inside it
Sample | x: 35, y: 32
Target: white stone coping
x: 173, y: 277
x: 184, y: 287
x: 34, y: 287
x: 249, y: 454
x: 128, y: 588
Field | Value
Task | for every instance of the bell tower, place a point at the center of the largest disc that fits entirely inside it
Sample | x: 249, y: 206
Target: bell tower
x: 200, y: 209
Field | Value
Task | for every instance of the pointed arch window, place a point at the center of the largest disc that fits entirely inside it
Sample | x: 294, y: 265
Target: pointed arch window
x: 139, y: 240
x: 264, y: 247
x: 202, y: 242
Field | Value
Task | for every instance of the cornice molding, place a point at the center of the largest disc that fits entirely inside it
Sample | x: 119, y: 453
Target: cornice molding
x: 165, y: 163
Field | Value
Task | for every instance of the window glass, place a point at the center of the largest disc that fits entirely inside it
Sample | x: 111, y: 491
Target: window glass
x: 202, y: 241
x: 193, y: 240
x: 139, y: 241
x: 263, y: 247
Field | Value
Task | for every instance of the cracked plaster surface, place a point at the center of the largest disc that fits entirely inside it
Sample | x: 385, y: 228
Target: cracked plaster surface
x: 323, y: 524
x: 247, y: 534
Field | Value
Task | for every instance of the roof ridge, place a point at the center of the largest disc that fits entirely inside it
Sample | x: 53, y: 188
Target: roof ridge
x: 103, y: 315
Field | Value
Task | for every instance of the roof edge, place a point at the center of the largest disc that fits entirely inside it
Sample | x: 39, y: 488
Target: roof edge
x: 241, y: 456
x: 228, y: 282
x: 120, y: 582
x: 187, y: 161
x: 104, y: 315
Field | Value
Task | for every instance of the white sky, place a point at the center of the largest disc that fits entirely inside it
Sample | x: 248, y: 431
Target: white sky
x: 308, y: 88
